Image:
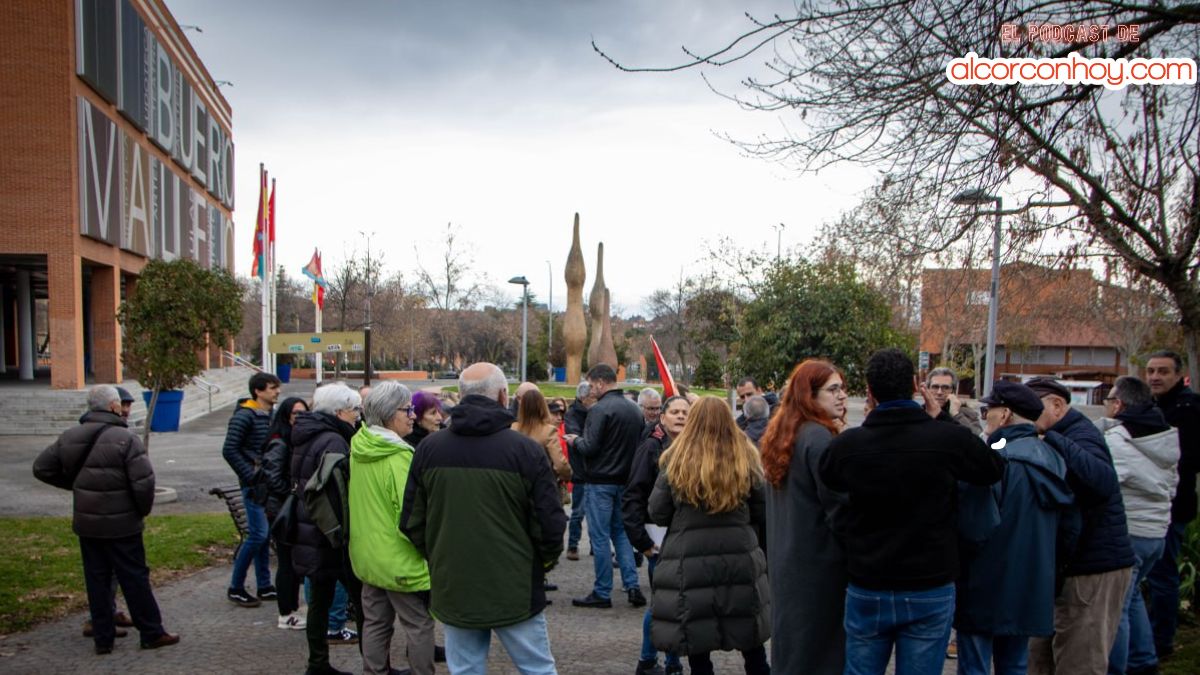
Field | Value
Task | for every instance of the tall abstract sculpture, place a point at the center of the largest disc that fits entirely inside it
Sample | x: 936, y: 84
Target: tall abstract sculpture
x: 608, y: 353
x: 597, y: 309
x: 574, y: 326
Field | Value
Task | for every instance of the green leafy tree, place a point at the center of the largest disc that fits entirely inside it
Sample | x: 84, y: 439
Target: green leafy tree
x: 708, y: 371
x: 814, y: 310
x: 176, y: 310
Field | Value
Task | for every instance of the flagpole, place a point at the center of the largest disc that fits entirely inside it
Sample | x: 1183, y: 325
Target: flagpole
x: 260, y: 231
x: 271, y: 270
x: 320, y: 357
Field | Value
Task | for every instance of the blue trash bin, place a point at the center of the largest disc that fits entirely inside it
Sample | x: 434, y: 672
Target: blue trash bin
x: 284, y: 372
x: 166, y: 411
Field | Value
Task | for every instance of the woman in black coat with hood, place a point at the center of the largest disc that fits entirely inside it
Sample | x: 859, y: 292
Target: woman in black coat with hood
x: 328, y: 428
x: 277, y: 470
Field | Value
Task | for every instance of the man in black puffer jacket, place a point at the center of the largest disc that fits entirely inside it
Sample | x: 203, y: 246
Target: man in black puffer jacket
x: 244, y: 441
x: 573, y: 422
x: 1087, y: 611
x: 106, y: 467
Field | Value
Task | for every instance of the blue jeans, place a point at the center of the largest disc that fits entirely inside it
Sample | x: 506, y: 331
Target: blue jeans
x: 648, y: 651
x: 575, y: 525
x: 527, y: 644
x: 337, y: 610
x: 1163, y: 584
x: 1134, y: 647
x: 605, y: 529
x: 917, y: 623
x: 976, y: 653
x: 254, y: 548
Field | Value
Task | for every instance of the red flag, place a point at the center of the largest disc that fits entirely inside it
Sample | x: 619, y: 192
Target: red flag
x: 259, y: 267
x: 663, y: 372
x: 271, y: 216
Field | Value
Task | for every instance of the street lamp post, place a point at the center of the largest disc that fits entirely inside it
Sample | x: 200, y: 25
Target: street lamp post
x: 975, y: 197
x: 550, y: 324
x: 524, y: 284
x: 367, y: 370
x: 778, y: 239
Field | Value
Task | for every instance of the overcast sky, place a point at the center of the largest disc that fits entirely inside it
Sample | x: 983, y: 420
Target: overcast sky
x: 398, y: 117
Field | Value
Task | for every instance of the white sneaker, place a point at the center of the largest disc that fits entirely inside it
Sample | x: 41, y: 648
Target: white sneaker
x: 293, y: 621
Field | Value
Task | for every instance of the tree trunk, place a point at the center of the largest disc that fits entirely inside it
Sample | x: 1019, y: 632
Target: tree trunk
x: 149, y: 417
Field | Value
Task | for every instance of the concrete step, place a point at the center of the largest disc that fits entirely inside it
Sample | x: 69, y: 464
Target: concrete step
x: 25, y: 411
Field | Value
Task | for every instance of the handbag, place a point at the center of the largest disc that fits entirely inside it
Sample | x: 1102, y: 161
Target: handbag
x: 283, y: 528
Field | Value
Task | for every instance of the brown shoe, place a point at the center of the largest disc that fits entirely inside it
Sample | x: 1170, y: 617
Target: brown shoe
x: 572, y: 554
x: 164, y: 640
x: 122, y: 619
x: 88, y: 632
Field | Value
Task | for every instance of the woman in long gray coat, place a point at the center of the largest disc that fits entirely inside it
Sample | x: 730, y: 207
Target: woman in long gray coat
x: 710, y: 585
x: 807, y: 565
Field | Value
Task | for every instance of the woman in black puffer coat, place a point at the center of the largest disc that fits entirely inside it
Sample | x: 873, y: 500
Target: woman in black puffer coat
x: 328, y: 428
x: 277, y: 471
x: 710, y: 584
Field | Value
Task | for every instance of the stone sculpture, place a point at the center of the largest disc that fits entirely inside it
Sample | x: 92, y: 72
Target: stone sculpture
x: 574, y: 325
x: 608, y: 353
x: 596, y: 309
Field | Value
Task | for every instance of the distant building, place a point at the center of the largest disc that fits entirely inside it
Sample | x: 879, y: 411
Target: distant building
x: 1051, y: 322
x: 117, y: 148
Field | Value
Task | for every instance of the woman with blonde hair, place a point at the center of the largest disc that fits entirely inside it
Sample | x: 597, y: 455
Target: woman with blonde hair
x: 808, y: 566
x: 711, y: 497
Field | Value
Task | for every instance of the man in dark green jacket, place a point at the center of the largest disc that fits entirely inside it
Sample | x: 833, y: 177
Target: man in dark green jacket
x: 482, y: 506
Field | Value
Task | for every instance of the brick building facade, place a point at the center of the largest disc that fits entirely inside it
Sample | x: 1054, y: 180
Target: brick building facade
x: 115, y: 148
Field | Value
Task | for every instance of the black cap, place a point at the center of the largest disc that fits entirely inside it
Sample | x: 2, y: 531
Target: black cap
x: 126, y: 397
x: 556, y: 407
x: 1019, y: 398
x: 1044, y: 385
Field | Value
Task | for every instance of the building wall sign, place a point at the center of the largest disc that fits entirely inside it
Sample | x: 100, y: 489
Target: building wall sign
x: 99, y: 186
x: 119, y: 56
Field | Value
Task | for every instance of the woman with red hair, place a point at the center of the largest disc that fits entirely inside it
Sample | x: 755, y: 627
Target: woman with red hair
x: 807, y: 565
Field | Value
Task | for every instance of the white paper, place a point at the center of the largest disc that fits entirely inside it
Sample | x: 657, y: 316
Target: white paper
x: 657, y: 533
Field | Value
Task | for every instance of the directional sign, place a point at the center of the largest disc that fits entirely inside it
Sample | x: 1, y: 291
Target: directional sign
x: 315, y: 343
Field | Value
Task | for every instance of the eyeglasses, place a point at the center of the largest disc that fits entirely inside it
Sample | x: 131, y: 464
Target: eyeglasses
x: 834, y: 388
x: 410, y: 410
x: 939, y: 387
x: 652, y: 408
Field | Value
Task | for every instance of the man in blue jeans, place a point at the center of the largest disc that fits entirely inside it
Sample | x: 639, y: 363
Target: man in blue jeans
x: 610, y: 438
x: 900, y: 470
x: 244, y: 440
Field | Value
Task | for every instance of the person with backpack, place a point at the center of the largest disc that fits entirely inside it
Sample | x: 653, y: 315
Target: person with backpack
x: 320, y: 443
x: 244, y: 441
x: 107, y: 469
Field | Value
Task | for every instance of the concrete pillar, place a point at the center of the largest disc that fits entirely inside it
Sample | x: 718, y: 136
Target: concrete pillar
x: 3, y: 331
x: 65, y: 275
x: 106, y: 332
x: 25, y: 346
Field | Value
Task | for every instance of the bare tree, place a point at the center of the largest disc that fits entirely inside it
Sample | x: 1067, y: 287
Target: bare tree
x: 869, y: 83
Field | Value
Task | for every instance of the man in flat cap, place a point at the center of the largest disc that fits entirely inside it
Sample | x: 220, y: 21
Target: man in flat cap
x: 1011, y: 528
x: 1087, y: 611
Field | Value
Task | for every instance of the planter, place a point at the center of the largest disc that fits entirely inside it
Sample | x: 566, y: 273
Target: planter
x: 284, y: 372
x: 167, y: 410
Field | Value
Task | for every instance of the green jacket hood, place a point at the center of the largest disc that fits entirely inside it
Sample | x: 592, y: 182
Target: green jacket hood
x: 372, y: 444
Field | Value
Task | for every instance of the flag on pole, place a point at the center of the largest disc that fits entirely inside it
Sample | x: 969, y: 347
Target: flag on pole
x: 271, y: 219
x: 663, y: 372
x: 259, y: 268
x: 313, y: 271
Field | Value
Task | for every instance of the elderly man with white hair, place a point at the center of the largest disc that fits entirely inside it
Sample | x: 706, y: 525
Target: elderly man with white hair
x: 107, y: 469
x: 328, y: 428
x: 394, y: 575
x: 482, y: 506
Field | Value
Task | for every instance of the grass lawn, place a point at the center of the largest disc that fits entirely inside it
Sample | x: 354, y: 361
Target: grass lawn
x: 44, y: 576
x: 1186, y: 659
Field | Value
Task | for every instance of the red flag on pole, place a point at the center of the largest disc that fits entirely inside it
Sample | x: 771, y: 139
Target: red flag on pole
x: 259, y: 267
x: 663, y: 372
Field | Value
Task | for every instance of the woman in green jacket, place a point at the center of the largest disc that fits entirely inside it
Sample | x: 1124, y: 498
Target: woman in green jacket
x: 394, y: 575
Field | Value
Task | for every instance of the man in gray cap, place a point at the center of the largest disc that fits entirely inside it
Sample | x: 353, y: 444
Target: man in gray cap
x: 1087, y: 613
x: 1006, y: 590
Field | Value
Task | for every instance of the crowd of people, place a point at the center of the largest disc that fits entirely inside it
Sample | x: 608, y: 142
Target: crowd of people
x: 1041, y: 541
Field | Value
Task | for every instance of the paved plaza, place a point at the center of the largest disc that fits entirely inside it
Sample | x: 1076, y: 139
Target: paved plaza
x: 220, y: 637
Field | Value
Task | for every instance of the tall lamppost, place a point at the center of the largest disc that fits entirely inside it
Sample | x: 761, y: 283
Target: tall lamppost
x: 778, y: 239
x: 524, y: 284
x: 976, y: 197
x: 367, y: 370
x: 550, y: 324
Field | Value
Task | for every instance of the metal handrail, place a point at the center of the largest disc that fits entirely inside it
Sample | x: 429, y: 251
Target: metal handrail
x: 207, y: 386
x: 237, y: 360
